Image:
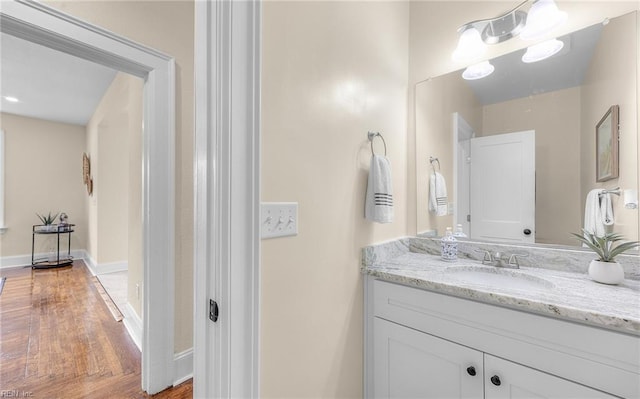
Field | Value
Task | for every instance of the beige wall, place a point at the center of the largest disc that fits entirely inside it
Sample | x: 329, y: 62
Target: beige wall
x: 43, y: 162
x: 114, y: 143
x: 433, y: 38
x: 331, y: 71
x: 107, y: 146
x: 611, y: 79
x: 437, y: 100
x: 167, y: 26
x: 555, y: 117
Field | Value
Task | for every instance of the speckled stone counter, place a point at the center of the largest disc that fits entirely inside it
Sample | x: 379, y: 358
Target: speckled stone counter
x: 555, y: 282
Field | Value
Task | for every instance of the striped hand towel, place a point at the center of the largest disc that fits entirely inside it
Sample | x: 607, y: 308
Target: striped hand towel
x: 379, y: 199
x: 437, y: 194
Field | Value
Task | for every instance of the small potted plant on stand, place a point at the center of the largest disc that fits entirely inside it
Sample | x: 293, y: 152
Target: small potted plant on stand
x: 47, y: 221
x: 605, y: 269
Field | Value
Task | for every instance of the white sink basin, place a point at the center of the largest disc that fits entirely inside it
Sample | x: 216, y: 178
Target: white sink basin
x: 497, y: 278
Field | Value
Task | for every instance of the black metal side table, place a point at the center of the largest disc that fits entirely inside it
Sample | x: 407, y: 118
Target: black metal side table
x: 59, y: 230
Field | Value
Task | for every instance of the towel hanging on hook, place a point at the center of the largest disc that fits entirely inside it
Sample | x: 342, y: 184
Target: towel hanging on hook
x: 373, y: 135
x: 437, y: 190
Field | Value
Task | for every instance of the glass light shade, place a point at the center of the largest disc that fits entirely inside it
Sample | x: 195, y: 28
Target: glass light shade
x: 543, y: 17
x: 470, y: 46
x: 542, y: 51
x: 478, y: 71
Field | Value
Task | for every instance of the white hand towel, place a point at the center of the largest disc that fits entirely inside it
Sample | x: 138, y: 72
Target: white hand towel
x: 379, y: 201
x: 593, y: 221
x: 437, y: 194
x: 606, y: 209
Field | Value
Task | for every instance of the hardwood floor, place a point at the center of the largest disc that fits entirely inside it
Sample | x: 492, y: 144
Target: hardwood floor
x: 58, y: 340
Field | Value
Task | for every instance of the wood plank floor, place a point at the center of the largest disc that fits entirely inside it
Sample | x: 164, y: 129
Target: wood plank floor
x: 58, y: 340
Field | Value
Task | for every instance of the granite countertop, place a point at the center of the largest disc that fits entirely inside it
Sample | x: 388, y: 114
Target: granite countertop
x: 566, y: 295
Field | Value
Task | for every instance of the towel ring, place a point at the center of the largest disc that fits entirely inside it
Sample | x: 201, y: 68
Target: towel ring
x: 373, y: 135
x: 432, y: 160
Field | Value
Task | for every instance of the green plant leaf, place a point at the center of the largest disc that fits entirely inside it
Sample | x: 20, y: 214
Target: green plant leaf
x: 603, y: 246
x: 623, y: 248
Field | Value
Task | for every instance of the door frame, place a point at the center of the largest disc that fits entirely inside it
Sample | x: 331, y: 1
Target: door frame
x: 227, y: 198
x: 461, y: 129
x: 44, y: 25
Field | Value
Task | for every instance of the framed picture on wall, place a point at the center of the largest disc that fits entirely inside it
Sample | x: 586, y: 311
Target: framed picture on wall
x: 607, y: 145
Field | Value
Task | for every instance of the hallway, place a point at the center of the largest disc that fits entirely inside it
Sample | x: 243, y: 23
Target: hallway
x: 58, y: 339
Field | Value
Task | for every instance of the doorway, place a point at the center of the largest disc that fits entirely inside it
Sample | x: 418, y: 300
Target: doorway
x: 40, y: 24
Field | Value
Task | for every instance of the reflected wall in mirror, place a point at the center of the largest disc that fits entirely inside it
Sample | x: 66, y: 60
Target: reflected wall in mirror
x: 560, y: 100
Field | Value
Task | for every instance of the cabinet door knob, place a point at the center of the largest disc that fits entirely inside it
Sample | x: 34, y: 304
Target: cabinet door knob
x: 495, y: 380
x: 471, y: 371
x: 527, y: 232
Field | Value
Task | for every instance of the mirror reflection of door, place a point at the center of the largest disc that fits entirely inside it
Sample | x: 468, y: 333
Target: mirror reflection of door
x: 503, y: 187
x: 463, y: 132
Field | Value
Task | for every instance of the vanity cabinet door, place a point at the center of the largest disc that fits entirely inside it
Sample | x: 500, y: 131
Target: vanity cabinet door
x: 504, y: 379
x: 412, y: 364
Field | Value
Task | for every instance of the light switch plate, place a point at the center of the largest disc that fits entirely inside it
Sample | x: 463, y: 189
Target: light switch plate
x: 278, y: 219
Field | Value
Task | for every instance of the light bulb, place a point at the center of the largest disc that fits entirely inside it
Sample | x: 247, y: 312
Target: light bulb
x: 542, y: 51
x: 470, y: 46
x: 478, y: 71
x: 543, y: 17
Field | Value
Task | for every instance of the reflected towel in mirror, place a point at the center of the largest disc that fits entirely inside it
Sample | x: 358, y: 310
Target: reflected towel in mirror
x: 437, y: 194
x: 606, y: 209
x: 598, y: 212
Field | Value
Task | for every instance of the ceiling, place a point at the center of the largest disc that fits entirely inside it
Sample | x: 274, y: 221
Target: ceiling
x: 513, y: 78
x: 49, y: 84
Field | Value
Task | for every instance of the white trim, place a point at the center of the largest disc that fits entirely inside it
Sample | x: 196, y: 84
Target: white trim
x: 182, y: 366
x: 98, y: 269
x: 133, y: 324
x: 41, y: 24
x: 92, y: 265
x: 3, y: 228
x: 227, y: 139
x: 7, y: 262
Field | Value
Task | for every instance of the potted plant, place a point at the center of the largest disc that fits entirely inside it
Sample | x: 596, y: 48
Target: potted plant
x: 47, y: 221
x: 605, y: 269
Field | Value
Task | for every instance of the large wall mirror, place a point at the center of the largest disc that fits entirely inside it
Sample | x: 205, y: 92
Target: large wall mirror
x: 517, y: 149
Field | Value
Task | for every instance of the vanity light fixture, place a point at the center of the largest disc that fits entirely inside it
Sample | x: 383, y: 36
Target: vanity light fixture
x: 542, y: 51
x: 478, y: 71
x: 543, y: 17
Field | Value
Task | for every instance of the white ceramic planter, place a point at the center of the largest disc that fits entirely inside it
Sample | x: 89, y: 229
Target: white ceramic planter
x: 606, y: 272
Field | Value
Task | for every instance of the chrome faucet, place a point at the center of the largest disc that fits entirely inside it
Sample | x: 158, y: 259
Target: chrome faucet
x: 501, y: 259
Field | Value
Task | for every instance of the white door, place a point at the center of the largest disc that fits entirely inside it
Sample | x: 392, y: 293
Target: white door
x: 503, y: 187
x: 411, y: 364
x: 507, y: 380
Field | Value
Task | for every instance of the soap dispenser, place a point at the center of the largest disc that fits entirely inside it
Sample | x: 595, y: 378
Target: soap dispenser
x: 459, y: 231
x: 449, y: 246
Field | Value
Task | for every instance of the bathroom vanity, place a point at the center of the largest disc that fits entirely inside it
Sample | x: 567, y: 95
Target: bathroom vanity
x: 435, y: 329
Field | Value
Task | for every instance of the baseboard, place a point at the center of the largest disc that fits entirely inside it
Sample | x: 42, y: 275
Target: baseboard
x: 133, y: 324
x: 182, y: 366
x: 91, y: 264
x: 97, y: 269
x: 7, y: 262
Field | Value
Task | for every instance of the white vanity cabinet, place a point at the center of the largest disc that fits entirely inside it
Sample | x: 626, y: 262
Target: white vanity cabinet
x: 421, y: 344
x: 508, y: 380
x: 412, y: 364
